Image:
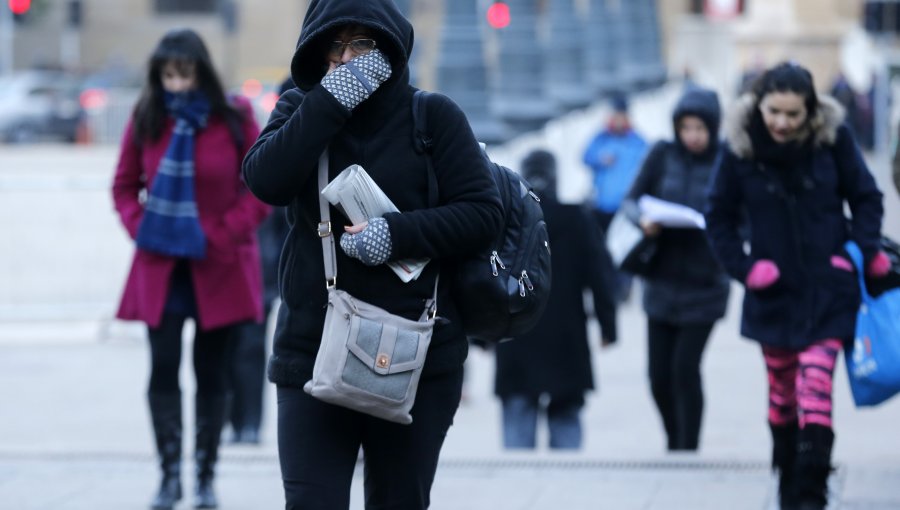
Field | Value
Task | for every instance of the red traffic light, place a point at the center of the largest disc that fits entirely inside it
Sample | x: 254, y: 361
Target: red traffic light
x: 498, y: 15
x: 19, y: 7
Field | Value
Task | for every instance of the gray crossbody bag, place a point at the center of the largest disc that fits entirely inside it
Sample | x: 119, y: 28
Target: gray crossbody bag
x: 369, y: 360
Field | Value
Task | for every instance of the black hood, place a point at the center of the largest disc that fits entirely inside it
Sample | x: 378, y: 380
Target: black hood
x: 394, y: 35
x: 704, y: 104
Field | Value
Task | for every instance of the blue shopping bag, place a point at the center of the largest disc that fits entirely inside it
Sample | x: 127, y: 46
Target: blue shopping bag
x: 873, y: 361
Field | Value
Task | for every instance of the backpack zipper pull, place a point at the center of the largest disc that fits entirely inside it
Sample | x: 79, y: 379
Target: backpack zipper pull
x: 521, y: 288
x: 534, y: 196
x: 527, y: 281
x: 495, y: 261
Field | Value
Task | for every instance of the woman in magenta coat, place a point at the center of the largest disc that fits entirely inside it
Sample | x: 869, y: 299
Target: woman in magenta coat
x: 179, y: 194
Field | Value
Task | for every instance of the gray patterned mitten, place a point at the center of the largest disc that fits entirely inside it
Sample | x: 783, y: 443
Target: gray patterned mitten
x: 353, y: 82
x: 372, y: 246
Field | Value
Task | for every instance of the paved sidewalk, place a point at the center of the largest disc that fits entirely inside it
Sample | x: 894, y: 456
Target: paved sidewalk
x: 75, y: 435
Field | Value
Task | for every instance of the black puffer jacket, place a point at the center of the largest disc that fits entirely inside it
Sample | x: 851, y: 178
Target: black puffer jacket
x: 686, y: 284
x: 281, y: 169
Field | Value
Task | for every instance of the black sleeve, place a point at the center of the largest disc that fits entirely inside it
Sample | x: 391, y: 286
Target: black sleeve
x: 287, y: 151
x: 601, y: 278
x: 470, y: 214
x: 646, y: 181
x: 861, y: 193
x: 724, y: 219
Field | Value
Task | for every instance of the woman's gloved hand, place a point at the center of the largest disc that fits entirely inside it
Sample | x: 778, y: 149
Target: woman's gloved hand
x: 879, y: 266
x: 762, y: 275
x: 353, y: 82
x: 371, y: 245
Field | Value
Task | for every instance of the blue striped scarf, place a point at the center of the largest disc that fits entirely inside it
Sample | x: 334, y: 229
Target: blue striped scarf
x: 171, y: 224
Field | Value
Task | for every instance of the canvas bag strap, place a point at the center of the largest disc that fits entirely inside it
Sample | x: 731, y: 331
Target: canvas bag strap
x: 856, y: 255
x: 327, y: 235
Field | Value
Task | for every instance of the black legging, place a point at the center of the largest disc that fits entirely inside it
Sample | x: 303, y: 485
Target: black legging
x: 675, y: 352
x: 209, y: 357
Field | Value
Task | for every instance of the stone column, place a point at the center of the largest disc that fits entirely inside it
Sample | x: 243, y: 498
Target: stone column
x: 565, y: 75
x: 461, y: 71
x: 601, y: 59
x: 519, y: 98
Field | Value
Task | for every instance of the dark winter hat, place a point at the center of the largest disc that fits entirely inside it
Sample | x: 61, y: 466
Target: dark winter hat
x: 619, y: 103
x: 539, y: 169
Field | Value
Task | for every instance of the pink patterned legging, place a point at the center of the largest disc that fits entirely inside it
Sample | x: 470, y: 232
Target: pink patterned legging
x: 800, y: 383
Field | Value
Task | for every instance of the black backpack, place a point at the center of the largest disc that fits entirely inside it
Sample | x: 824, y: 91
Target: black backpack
x: 500, y: 292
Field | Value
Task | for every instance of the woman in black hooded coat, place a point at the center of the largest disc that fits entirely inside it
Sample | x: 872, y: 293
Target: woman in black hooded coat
x: 369, y: 124
x: 686, y: 289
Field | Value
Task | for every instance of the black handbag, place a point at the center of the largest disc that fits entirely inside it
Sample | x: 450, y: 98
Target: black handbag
x: 629, y: 248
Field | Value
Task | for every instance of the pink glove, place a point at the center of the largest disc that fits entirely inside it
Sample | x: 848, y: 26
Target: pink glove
x: 762, y: 275
x: 841, y: 263
x: 879, y: 265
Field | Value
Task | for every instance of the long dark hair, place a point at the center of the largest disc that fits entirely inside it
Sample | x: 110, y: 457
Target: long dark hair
x: 788, y: 77
x: 183, y: 47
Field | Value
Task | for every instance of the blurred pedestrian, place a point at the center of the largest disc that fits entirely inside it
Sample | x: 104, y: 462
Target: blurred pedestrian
x: 548, y: 370
x: 179, y: 194
x: 247, y: 356
x: 353, y: 103
x: 791, y: 166
x: 614, y: 157
x: 247, y: 353
x: 686, y: 289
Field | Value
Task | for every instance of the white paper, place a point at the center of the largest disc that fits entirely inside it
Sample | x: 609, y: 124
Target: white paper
x: 359, y: 198
x: 670, y: 214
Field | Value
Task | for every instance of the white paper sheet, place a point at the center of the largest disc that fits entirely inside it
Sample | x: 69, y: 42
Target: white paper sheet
x: 669, y: 214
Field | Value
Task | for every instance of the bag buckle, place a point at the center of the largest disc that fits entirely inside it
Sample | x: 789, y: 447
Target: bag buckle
x: 324, y: 229
x: 330, y: 282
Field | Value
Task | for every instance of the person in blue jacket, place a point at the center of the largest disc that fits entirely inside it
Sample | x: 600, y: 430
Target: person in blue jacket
x: 614, y: 157
x: 790, y: 167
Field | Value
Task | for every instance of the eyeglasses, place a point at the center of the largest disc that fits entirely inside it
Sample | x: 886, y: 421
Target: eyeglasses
x: 357, y: 47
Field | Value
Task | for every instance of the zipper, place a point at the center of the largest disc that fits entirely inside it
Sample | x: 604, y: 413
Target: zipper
x: 495, y: 261
x: 527, y: 280
x: 534, y: 196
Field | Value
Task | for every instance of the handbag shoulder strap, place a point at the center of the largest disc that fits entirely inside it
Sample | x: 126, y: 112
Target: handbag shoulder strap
x: 325, y: 230
x: 326, y: 233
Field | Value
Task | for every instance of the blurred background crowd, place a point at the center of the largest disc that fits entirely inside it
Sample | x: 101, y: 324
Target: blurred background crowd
x: 71, y: 68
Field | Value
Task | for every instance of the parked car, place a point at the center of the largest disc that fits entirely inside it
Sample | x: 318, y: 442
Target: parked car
x: 37, y: 105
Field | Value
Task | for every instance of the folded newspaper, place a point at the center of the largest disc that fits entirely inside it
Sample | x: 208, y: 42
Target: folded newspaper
x: 357, y: 196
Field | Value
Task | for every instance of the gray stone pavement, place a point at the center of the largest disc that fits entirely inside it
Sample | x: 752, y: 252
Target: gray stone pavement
x: 74, y: 430
x: 75, y: 434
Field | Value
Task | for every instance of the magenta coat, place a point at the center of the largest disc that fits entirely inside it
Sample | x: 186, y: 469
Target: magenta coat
x: 228, y: 282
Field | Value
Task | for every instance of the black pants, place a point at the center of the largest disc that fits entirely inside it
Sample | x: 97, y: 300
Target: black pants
x: 209, y: 357
x: 675, y: 354
x: 318, y: 445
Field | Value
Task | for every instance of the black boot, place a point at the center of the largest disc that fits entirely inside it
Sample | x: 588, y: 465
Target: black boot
x: 210, y: 418
x: 165, y: 412
x: 784, y: 452
x: 812, y: 467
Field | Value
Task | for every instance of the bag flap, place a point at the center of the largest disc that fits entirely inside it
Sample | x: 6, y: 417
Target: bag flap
x: 384, y: 348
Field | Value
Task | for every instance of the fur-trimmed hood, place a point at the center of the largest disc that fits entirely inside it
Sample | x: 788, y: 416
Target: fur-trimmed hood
x: 823, y: 127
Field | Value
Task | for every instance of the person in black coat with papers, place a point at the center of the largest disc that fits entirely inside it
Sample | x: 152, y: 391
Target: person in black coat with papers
x: 548, y: 370
x: 361, y: 114
x: 686, y: 289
